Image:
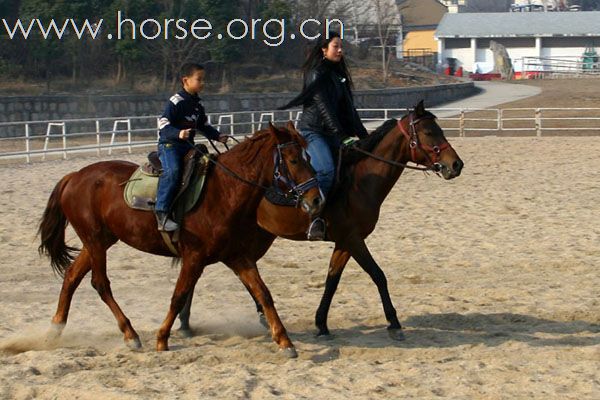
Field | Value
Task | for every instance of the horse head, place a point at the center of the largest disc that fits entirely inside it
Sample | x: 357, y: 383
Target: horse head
x: 292, y: 169
x: 427, y: 143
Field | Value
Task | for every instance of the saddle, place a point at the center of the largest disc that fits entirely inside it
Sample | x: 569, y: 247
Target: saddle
x: 140, y: 189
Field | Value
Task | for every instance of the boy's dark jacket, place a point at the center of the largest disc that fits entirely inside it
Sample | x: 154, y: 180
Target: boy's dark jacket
x: 183, y: 111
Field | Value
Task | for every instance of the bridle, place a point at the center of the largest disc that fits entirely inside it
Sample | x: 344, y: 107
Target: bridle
x: 281, y: 176
x: 432, y: 153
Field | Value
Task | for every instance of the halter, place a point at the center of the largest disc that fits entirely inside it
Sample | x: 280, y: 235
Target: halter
x: 431, y: 152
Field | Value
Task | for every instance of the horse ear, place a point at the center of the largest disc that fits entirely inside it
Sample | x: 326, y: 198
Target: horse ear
x: 420, y: 109
x: 290, y: 126
x: 272, y: 129
x: 295, y: 134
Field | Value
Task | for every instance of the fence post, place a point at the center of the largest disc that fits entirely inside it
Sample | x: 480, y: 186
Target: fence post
x: 27, y: 144
x: 461, y: 125
x: 538, y: 122
x: 500, y: 117
x: 98, y: 138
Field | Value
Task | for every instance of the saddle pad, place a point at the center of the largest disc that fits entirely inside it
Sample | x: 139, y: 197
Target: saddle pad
x: 140, y: 190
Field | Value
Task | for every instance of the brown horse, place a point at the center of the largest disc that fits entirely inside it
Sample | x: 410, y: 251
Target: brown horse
x: 220, y: 228
x: 372, y: 168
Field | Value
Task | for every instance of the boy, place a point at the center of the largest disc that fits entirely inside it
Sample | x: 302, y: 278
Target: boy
x: 183, y: 116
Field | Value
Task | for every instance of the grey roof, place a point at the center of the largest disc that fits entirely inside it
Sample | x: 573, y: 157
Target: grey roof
x: 481, y: 25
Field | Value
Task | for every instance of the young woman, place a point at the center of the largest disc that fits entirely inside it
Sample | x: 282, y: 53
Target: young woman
x: 328, y: 114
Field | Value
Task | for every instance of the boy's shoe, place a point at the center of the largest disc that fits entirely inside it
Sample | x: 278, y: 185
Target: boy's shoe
x: 165, y: 223
x: 316, y: 230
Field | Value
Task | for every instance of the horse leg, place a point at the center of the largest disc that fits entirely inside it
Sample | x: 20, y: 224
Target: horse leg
x: 259, y: 309
x: 188, y: 276
x: 73, y: 276
x: 250, y: 277
x: 363, y: 257
x: 184, y: 316
x: 101, y: 283
x: 338, y: 261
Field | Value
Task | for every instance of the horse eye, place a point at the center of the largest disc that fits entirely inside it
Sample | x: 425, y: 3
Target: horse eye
x: 294, y: 161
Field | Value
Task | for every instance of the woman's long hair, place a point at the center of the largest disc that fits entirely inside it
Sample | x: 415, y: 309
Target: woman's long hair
x: 316, y: 58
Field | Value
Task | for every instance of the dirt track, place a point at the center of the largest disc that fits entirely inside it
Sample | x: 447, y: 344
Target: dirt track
x: 494, y: 275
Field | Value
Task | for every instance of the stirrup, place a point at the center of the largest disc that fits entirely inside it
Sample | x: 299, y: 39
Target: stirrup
x: 165, y: 223
x: 316, y: 230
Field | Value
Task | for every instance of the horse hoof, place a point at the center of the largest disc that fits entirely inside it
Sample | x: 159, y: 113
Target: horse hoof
x: 289, y: 352
x: 263, y: 320
x: 324, y: 335
x: 162, y: 347
x: 396, y: 334
x: 133, y: 344
x: 185, y: 333
x: 54, y: 332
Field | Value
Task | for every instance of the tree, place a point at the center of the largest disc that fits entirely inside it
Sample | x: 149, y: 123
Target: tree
x: 384, y: 17
x: 225, y: 50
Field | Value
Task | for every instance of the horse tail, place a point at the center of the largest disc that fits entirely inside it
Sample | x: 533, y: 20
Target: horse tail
x: 52, y: 231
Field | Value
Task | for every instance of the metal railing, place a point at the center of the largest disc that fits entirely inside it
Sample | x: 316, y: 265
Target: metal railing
x: 27, y: 140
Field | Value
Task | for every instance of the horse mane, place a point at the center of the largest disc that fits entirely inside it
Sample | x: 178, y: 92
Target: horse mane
x: 369, y: 143
x: 249, y: 149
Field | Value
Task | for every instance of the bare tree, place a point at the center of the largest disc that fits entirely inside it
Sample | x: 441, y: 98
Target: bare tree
x: 384, y: 17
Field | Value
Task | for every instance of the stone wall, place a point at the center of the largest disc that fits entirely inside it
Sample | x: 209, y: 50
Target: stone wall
x: 60, y: 107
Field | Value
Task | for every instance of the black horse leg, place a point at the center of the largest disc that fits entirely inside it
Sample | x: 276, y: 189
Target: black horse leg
x: 184, y: 316
x: 338, y: 261
x: 259, y: 310
x: 363, y: 257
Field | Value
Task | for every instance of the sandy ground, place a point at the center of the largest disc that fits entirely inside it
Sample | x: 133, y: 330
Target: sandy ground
x: 494, y: 276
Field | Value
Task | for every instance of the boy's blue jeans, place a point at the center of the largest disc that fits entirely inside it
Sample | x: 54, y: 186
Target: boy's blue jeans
x: 171, y: 156
x: 321, y: 148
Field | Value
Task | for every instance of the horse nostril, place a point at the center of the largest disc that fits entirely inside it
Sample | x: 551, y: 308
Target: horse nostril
x: 457, y: 165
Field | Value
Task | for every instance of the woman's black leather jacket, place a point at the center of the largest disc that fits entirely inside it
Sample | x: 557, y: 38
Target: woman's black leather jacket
x: 328, y: 106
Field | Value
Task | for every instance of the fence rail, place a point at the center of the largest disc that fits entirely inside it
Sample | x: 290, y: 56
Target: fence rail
x: 28, y: 140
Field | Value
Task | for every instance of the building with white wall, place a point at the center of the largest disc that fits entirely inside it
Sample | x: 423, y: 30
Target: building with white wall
x: 466, y: 37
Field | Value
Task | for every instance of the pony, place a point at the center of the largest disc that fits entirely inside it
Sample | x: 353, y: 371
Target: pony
x: 372, y: 167
x: 218, y: 228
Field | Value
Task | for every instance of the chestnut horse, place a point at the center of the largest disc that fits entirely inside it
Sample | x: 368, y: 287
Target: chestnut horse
x: 219, y: 228
x: 371, y: 168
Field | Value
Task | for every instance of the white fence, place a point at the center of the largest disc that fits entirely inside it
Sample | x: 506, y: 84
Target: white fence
x: 29, y: 140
